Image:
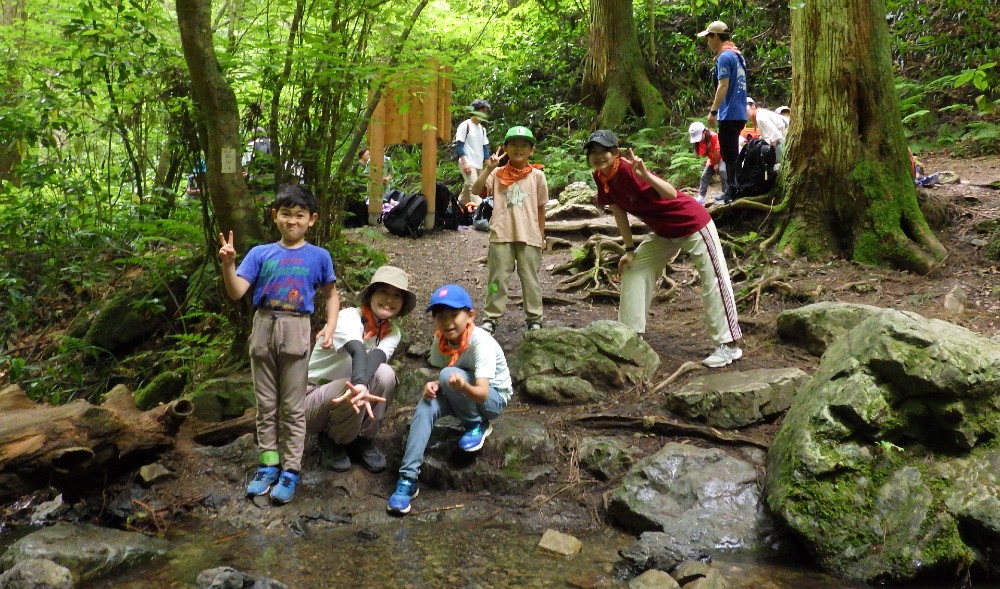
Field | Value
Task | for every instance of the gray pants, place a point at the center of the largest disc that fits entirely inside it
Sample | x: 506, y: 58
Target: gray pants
x: 448, y: 402
x: 339, y: 422
x: 706, y: 179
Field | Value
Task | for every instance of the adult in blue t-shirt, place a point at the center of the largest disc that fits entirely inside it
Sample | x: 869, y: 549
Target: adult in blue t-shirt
x: 729, y: 106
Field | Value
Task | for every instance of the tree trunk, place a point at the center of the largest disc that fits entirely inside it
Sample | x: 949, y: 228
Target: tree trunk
x: 614, y: 72
x: 62, y: 445
x: 234, y: 206
x: 11, y: 11
x: 846, y: 171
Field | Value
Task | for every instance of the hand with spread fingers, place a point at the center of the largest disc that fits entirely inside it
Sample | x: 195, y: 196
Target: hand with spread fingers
x: 360, y: 397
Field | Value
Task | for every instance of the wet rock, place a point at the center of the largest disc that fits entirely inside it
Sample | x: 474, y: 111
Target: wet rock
x: 220, y: 399
x: 654, y: 550
x: 704, y: 499
x: 604, y: 456
x: 517, y: 454
x: 559, y: 544
x: 816, y: 326
x: 737, y: 399
x: 37, y: 573
x: 230, y: 578
x: 563, y: 365
x: 49, y: 510
x: 155, y: 473
x: 87, y: 551
x: 690, y: 571
x: 887, y: 456
x: 653, y: 579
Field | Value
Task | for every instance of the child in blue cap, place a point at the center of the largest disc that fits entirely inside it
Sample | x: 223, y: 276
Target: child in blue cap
x: 474, y: 385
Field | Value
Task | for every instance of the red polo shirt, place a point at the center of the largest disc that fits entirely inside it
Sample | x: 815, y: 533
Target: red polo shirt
x: 667, y: 217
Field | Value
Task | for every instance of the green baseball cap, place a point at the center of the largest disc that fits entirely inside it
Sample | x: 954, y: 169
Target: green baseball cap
x: 519, y: 132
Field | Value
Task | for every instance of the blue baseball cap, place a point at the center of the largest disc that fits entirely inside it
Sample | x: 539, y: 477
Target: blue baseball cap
x: 451, y: 295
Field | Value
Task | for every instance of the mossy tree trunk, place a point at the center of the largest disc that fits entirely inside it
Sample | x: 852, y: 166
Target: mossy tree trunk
x: 11, y: 11
x: 234, y: 207
x: 847, y: 172
x: 614, y: 72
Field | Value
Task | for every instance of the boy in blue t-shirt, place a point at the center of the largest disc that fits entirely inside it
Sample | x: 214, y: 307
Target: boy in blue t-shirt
x: 284, y: 276
x: 474, y: 385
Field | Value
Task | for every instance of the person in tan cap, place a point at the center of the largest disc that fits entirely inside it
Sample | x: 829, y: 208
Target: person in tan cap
x: 351, y: 382
x: 729, y: 104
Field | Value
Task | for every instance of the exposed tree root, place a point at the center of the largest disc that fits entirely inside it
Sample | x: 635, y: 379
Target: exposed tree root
x: 666, y: 426
x: 684, y: 369
x: 776, y: 283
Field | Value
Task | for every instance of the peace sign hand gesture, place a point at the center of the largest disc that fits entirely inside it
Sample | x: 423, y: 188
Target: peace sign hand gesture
x: 638, y: 166
x: 494, y: 160
x: 227, y: 253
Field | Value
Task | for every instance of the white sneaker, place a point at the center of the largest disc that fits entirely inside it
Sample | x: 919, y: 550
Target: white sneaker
x: 723, y: 356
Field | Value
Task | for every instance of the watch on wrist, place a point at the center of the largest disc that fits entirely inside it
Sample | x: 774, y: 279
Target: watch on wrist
x: 713, y: 112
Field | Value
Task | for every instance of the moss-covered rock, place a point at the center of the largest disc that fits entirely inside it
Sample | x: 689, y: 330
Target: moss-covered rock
x: 223, y: 398
x: 890, y: 449
x: 567, y: 365
x: 166, y: 387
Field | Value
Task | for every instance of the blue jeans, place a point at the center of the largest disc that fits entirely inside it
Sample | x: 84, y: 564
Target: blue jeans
x: 448, y: 402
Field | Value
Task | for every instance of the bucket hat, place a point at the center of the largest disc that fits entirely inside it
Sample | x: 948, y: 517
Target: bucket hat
x: 391, y: 276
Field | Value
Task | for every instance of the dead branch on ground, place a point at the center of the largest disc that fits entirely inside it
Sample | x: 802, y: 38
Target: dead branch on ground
x: 666, y: 426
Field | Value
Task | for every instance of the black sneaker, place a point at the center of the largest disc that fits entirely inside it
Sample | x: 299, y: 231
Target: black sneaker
x: 333, y: 456
x: 371, y: 457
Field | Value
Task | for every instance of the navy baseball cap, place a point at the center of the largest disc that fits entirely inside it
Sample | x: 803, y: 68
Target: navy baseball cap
x: 601, y: 137
x: 451, y: 295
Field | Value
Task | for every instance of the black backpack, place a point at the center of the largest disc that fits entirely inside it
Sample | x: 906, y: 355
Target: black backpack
x: 447, y: 210
x: 755, y: 173
x: 407, y: 217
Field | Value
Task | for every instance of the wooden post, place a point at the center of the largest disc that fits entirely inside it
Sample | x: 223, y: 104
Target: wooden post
x: 428, y: 149
x: 376, y: 138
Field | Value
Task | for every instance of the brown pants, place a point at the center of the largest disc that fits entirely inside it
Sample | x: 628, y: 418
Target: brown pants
x: 279, y: 363
x: 339, y: 422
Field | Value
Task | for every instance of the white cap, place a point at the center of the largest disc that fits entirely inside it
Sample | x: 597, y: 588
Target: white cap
x: 717, y: 26
x: 783, y: 110
x: 696, y: 131
x: 750, y: 101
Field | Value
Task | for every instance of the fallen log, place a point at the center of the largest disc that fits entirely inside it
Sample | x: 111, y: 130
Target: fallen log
x: 62, y: 445
x: 218, y: 434
x: 664, y: 425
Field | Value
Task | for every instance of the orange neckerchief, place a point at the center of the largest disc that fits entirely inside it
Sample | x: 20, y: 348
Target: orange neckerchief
x: 729, y: 46
x: 508, y: 174
x: 445, y: 347
x: 374, y: 327
x: 606, y: 178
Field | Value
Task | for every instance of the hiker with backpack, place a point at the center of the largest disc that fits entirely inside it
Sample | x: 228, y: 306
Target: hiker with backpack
x: 772, y: 126
x: 706, y: 143
x: 729, y: 108
x: 678, y: 222
x: 517, y: 226
x: 472, y: 147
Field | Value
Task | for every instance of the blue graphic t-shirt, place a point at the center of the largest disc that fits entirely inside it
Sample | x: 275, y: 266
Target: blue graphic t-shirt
x: 286, y: 279
x: 731, y: 65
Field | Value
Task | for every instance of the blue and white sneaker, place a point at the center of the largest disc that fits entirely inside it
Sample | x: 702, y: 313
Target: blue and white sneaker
x: 262, y: 481
x: 475, y: 435
x: 285, y: 489
x: 399, y: 502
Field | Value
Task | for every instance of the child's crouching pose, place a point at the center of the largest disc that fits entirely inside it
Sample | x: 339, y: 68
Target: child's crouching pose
x: 474, y: 385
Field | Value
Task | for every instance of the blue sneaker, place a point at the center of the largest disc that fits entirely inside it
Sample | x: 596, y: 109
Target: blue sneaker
x: 399, y: 502
x: 285, y: 489
x: 475, y: 435
x: 262, y: 481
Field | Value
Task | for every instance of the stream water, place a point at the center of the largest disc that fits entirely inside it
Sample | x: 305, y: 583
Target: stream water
x: 420, y: 554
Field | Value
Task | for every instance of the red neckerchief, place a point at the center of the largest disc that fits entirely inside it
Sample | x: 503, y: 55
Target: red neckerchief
x: 605, y: 179
x: 445, y: 347
x: 508, y: 174
x: 373, y: 326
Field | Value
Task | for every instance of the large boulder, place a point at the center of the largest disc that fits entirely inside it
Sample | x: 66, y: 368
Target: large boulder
x: 886, y: 463
x: 563, y: 365
x: 87, y: 551
x: 737, y: 399
x: 703, y: 500
x: 817, y: 326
